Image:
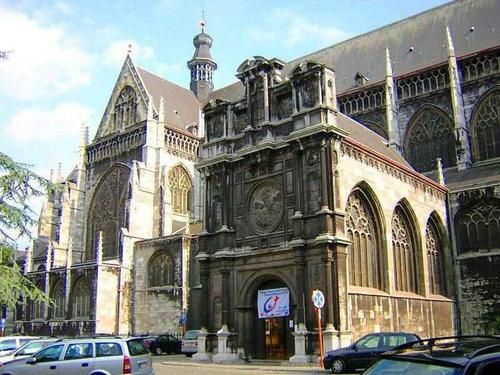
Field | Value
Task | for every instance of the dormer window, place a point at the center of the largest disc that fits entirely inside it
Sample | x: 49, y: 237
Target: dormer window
x: 360, y: 79
x: 125, y: 109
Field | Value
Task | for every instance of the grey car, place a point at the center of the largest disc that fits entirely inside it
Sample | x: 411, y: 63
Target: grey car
x: 86, y: 356
x: 27, y: 350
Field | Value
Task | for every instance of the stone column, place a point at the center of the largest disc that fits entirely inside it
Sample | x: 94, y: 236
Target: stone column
x: 324, y: 177
x: 320, y: 88
x: 294, y: 97
x: 205, y: 297
x: 265, y: 84
x: 202, y: 355
x: 300, y: 336
x: 225, y: 197
x: 330, y: 334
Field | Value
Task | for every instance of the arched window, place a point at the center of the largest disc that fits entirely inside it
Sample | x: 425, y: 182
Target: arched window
x: 478, y: 227
x: 435, y: 258
x: 160, y: 270
x: 486, y: 127
x: 364, y: 250
x: 180, y: 185
x: 57, y: 296
x: 125, y: 108
x: 108, y: 213
x: 82, y: 296
x: 404, y: 252
x: 37, y: 309
x: 430, y: 136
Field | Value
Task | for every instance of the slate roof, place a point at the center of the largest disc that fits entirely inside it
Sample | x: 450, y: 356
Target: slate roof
x: 480, y: 175
x: 181, y: 105
x: 425, y: 32
x: 365, y: 136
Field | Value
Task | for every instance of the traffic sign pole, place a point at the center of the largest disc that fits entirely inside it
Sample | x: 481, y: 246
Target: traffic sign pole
x: 318, y: 311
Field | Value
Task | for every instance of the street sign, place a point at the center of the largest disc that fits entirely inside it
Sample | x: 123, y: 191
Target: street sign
x: 318, y: 299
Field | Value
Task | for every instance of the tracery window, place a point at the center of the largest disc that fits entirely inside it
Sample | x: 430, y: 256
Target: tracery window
x: 180, y: 186
x: 364, y: 250
x: 160, y: 270
x: 37, y: 309
x: 58, y: 298
x: 430, y: 136
x: 125, y: 108
x: 108, y: 212
x: 82, y: 298
x: 435, y: 260
x: 478, y: 227
x: 486, y: 127
x: 404, y: 252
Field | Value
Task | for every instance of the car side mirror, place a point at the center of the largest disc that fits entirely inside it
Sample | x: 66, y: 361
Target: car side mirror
x: 31, y: 361
x: 353, y: 347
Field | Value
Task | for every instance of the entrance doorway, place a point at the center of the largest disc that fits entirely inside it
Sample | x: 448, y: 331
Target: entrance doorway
x: 275, y: 338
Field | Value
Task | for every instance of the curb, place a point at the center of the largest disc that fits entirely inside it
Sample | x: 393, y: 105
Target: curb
x: 287, y: 369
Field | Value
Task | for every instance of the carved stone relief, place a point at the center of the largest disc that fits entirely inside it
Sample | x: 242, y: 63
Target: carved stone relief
x: 265, y: 208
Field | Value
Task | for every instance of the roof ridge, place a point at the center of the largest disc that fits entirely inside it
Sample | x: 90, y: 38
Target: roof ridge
x: 406, y: 19
x: 160, y: 77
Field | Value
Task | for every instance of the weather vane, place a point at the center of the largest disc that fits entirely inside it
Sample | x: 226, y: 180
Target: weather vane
x: 129, y: 51
x: 203, y: 22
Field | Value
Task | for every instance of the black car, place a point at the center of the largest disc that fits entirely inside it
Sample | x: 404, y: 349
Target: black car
x: 163, y: 344
x: 457, y: 355
x: 361, y: 353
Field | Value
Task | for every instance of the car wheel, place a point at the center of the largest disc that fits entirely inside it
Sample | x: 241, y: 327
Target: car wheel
x: 189, y: 355
x: 338, y: 366
x: 158, y: 351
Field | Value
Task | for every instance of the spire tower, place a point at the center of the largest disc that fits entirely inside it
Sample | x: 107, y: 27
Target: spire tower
x: 201, y: 65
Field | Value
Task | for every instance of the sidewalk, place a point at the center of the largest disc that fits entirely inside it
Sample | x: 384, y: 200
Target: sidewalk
x: 260, y: 365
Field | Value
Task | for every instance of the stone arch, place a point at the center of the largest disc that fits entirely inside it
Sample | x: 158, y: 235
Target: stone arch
x: 81, y: 298
x: 108, y: 212
x: 437, y: 259
x: 365, y: 228
x: 406, y: 251
x: 160, y: 269
x: 57, y: 294
x: 486, y: 125
x: 180, y: 183
x: 477, y: 225
x: 429, y: 135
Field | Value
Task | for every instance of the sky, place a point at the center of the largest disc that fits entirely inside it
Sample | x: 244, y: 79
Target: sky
x: 65, y: 55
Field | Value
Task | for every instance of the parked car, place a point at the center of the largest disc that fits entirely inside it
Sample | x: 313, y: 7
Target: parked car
x: 189, y: 344
x: 457, y: 355
x: 163, y: 344
x: 361, y: 353
x: 9, y: 343
x: 86, y: 356
x: 27, y: 349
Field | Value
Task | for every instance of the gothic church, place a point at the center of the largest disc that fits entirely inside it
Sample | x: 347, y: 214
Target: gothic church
x: 368, y: 170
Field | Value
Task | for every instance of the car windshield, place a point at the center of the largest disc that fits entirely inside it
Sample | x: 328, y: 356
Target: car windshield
x: 137, y: 347
x: 396, y: 366
x: 191, y: 335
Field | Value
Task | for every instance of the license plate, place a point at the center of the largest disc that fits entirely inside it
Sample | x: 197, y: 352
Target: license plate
x: 143, y: 365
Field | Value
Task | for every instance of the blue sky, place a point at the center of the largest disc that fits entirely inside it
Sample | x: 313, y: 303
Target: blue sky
x: 66, y: 55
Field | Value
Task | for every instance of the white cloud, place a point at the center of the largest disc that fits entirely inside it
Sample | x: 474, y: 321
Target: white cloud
x: 37, y: 125
x: 116, y: 52
x: 291, y: 28
x: 45, y: 60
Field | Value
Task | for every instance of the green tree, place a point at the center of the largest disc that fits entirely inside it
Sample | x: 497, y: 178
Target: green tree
x: 17, y: 185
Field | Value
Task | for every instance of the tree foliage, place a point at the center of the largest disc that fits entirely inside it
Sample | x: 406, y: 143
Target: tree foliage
x: 17, y: 185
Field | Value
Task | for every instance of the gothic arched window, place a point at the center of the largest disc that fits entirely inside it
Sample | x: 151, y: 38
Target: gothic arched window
x: 36, y: 308
x: 57, y: 296
x: 486, y: 127
x: 125, y: 108
x: 160, y: 270
x: 82, y: 296
x: 478, y: 227
x: 435, y: 258
x: 108, y: 212
x: 180, y: 185
x: 364, y: 250
x: 430, y: 136
x: 404, y: 252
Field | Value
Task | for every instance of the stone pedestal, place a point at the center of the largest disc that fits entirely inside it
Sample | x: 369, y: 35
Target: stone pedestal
x: 330, y: 338
x: 300, y: 336
x: 345, y: 338
x: 224, y: 354
x: 202, y: 355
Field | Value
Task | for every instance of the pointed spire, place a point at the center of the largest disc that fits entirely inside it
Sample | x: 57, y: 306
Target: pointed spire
x: 84, y: 135
x: 388, y: 65
x: 449, y: 43
x: 150, y: 108
x: 59, y: 172
x: 440, y: 174
x: 161, y: 114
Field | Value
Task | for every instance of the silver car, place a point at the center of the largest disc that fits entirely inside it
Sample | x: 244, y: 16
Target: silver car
x: 26, y: 350
x: 9, y: 343
x: 91, y: 356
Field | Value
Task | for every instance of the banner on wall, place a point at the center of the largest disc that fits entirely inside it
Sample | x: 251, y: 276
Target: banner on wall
x: 273, y: 303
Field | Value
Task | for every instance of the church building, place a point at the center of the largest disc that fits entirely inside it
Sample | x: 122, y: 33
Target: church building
x: 368, y: 170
